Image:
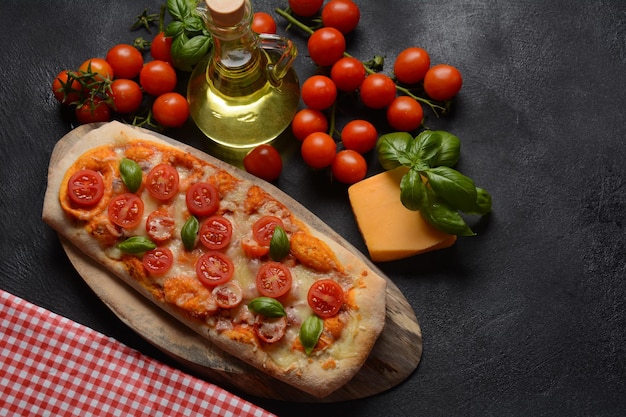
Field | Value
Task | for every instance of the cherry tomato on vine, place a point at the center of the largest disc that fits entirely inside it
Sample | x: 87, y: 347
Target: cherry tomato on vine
x: 343, y: 15
x: 157, y: 77
x: 64, y: 90
x: 319, y: 92
x: 93, y: 111
x: 171, y: 109
x: 405, y: 114
x: 348, y: 73
x: 411, y: 65
x: 264, y: 161
x: 305, y: 8
x: 326, y: 46
x: 126, y: 60
x: 349, y: 166
x: 126, y: 94
x: 442, y: 82
x: 161, y: 48
x: 359, y: 135
x: 263, y: 23
x: 308, y: 121
x: 377, y: 91
x: 99, y: 67
x: 318, y: 150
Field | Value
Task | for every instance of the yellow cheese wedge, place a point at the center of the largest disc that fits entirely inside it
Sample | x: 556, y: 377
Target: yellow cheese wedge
x: 390, y: 230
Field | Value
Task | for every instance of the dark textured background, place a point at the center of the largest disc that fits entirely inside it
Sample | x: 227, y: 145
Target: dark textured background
x: 527, y: 318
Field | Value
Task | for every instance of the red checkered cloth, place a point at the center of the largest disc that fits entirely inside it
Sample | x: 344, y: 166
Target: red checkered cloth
x: 50, y: 365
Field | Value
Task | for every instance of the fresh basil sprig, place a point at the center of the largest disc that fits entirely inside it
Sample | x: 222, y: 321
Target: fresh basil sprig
x: 267, y: 306
x: 191, y: 41
x: 136, y: 244
x: 310, y: 333
x: 131, y: 174
x: 279, y: 245
x: 430, y: 184
x: 189, y: 232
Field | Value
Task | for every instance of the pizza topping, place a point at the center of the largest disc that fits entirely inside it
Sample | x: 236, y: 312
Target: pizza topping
x: 310, y: 333
x: 131, y: 174
x: 160, y: 225
x: 126, y: 210
x: 190, y: 295
x: 189, y: 232
x: 158, y: 261
x: 270, y: 330
x: 85, y: 188
x: 228, y: 295
x: 263, y: 229
x: 162, y: 182
x: 313, y: 253
x: 216, y: 232
x: 325, y: 297
x: 267, y: 306
x: 252, y: 249
x: 279, y: 245
x: 136, y: 244
x: 202, y: 199
x: 214, y: 268
x: 273, y: 279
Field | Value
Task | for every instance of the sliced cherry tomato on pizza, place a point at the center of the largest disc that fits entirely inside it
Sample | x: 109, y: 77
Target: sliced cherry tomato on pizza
x: 126, y: 210
x: 253, y: 249
x: 158, y: 260
x: 263, y: 229
x: 273, y: 279
x: 325, y: 297
x: 162, y: 182
x: 160, y: 225
x: 202, y: 199
x: 216, y: 232
x: 228, y: 295
x: 85, y: 188
x: 270, y: 330
x: 214, y: 268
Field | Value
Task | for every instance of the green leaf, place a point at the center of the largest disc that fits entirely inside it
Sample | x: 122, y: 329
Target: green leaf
x: 131, y: 174
x: 310, y: 333
x: 443, y: 217
x: 449, y: 150
x: 393, y: 149
x: 174, y: 29
x: 453, y: 187
x: 427, y: 145
x: 136, y: 244
x: 279, y: 245
x: 268, y: 307
x: 187, y: 52
x: 189, y: 232
x: 180, y: 9
x: 483, y: 202
x: 412, y: 190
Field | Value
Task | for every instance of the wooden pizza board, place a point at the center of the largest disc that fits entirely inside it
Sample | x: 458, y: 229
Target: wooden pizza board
x: 394, y: 357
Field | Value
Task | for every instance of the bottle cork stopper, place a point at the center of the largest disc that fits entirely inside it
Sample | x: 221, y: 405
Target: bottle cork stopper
x: 226, y: 12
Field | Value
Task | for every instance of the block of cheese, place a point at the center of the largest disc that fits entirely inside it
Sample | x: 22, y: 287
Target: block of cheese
x: 390, y: 230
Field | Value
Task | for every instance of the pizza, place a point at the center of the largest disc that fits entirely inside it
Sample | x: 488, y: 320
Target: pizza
x: 227, y: 254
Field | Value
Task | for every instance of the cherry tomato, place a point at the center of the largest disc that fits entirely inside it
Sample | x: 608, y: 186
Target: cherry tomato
x: 377, y: 91
x: 171, y: 109
x: 318, y: 150
x: 348, y: 73
x: 263, y: 23
x: 93, y: 111
x: 99, y: 67
x: 160, y: 225
x: 214, y: 268
x: 442, y: 82
x: 325, y: 297
x: 273, y: 279
x: 411, y: 65
x: 228, y: 295
x: 162, y: 182
x: 126, y: 210
x: 319, y: 92
x: 85, y: 188
x: 215, y: 232
x: 157, y: 77
x: 308, y: 121
x: 264, y: 161
x: 202, y: 199
x: 270, y: 330
x: 359, y: 135
x: 405, y: 114
x: 161, y: 48
x: 263, y: 229
x: 127, y: 95
x: 158, y: 260
x: 253, y: 249
x: 126, y: 60
x: 343, y: 15
x: 326, y: 46
x: 65, y: 88
x: 305, y: 8
x: 349, y: 166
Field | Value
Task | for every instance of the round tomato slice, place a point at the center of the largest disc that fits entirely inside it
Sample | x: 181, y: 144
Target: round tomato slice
x: 162, y: 182
x: 273, y: 279
x: 214, y: 268
x: 228, y: 295
x: 202, y: 199
x: 325, y: 297
x: 160, y: 225
x: 85, y: 188
x: 215, y: 232
x: 126, y: 210
x: 270, y: 330
x: 263, y: 229
x: 158, y: 261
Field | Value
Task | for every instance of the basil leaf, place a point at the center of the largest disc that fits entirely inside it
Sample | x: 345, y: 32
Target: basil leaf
x: 131, y: 174
x: 443, y: 217
x: 412, y: 190
x: 393, y: 149
x: 189, y: 232
x: 136, y: 244
x: 187, y: 52
x: 279, y: 245
x: 266, y: 306
x: 453, y: 187
x: 449, y: 151
x: 427, y: 145
x: 310, y: 333
x: 483, y: 202
x: 180, y: 9
x: 174, y: 29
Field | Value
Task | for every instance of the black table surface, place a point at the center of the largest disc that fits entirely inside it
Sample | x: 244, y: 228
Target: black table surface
x: 528, y: 317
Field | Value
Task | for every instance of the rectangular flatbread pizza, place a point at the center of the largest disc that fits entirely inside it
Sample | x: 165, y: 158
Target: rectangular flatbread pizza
x: 221, y: 251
